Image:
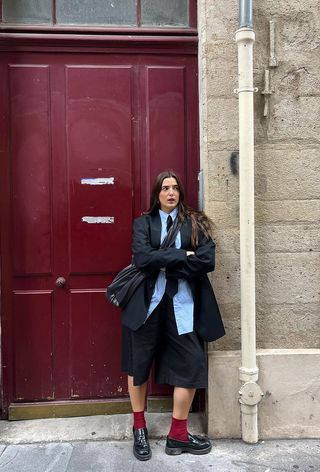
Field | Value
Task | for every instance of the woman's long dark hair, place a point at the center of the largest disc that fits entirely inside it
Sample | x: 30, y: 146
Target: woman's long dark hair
x: 199, y: 220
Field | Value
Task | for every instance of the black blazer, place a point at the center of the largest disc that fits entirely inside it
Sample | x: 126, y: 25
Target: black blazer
x: 149, y: 258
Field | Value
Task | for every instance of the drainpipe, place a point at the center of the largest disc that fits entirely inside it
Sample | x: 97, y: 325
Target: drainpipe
x: 250, y: 392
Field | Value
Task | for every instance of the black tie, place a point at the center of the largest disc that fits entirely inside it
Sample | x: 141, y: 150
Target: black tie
x: 171, y: 285
x: 169, y: 222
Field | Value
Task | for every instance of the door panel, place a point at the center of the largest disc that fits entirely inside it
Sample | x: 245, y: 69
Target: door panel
x: 32, y: 338
x: 170, y: 103
x: 30, y: 151
x: 99, y: 136
x: 166, y: 119
x: 91, y: 359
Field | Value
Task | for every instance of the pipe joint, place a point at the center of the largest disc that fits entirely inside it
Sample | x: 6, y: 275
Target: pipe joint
x: 250, y: 394
x: 245, y: 35
x: 248, y: 375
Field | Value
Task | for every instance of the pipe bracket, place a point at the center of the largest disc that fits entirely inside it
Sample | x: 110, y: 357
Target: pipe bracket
x: 246, y: 89
x: 250, y: 394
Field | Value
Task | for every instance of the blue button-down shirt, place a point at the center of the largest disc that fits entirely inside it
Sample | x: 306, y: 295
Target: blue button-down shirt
x: 182, y: 300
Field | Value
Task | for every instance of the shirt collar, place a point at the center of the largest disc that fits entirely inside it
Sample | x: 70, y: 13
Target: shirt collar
x: 164, y: 215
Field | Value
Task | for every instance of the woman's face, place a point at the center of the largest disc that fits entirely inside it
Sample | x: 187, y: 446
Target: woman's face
x: 169, y: 194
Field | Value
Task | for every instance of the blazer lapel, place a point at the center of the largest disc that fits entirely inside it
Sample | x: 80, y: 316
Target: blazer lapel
x: 155, y: 230
x: 185, y: 233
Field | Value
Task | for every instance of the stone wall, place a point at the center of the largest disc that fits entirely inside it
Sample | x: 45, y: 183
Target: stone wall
x: 287, y: 168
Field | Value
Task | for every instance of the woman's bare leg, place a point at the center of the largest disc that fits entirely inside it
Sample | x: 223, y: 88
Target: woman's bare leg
x: 182, y: 400
x: 137, y: 394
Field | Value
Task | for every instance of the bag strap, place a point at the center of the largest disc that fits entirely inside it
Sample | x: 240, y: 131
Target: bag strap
x: 170, y: 238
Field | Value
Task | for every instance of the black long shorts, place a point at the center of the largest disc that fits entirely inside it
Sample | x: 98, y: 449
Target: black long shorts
x: 180, y: 360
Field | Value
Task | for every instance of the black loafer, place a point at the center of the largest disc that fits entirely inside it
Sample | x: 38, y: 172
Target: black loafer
x: 141, y: 446
x: 194, y: 445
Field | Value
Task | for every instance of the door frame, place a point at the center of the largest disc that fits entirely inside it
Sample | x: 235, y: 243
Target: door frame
x: 72, y: 43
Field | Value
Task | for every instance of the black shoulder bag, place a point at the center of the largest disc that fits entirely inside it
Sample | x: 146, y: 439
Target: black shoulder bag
x: 128, y: 279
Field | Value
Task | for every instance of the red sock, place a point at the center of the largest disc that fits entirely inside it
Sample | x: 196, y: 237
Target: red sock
x: 178, y: 430
x: 138, y: 420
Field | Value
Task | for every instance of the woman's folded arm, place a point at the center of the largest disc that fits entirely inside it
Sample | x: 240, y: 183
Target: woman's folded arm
x: 147, y: 258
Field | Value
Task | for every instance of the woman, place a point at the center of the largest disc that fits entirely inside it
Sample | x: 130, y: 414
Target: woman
x: 171, y: 315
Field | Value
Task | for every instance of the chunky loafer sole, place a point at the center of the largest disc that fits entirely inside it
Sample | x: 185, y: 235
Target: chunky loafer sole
x: 195, y: 445
x: 175, y: 451
x: 142, y: 457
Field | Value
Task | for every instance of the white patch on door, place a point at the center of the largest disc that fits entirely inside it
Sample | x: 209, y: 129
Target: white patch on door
x: 98, y: 181
x: 97, y: 219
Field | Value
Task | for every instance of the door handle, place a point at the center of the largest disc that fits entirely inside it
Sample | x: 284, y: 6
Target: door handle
x: 61, y: 282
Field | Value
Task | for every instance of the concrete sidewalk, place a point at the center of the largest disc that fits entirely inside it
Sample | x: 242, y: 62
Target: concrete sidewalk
x: 103, y: 444
x: 87, y: 428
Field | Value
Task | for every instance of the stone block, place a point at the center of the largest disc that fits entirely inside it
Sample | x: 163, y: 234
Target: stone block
x: 290, y: 380
x: 295, y: 119
x: 287, y: 173
x: 291, y: 211
x: 296, y: 30
x: 286, y: 8
x: 221, y: 69
x: 221, y: 19
x: 224, y: 384
x: 223, y: 214
x: 222, y: 116
x: 297, y: 78
x: 280, y: 174
x: 277, y: 238
x: 282, y: 238
x: 226, y: 214
x: 287, y: 278
x: 226, y: 278
x: 230, y: 313
x: 287, y: 326
x: 227, y: 240
x: 300, y: 32
x: 223, y: 185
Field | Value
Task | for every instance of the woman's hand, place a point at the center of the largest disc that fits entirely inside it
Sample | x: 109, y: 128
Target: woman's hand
x: 190, y: 253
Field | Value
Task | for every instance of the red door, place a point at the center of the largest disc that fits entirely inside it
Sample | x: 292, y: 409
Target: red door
x: 82, y: 137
